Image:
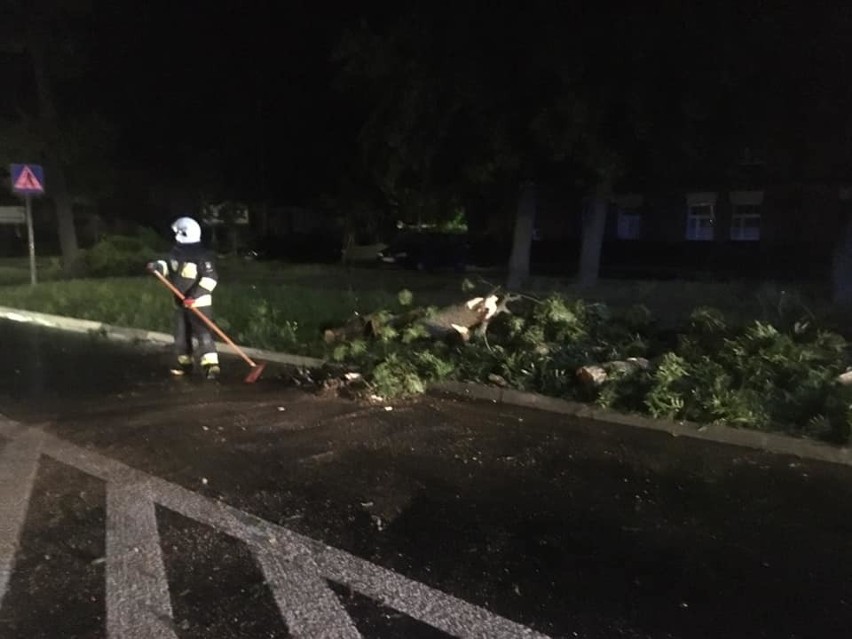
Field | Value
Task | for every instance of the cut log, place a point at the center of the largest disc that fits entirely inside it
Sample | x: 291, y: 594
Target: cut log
x: 501, y: 307
x: 352, y: 329
x: 461, y: 318
x: 845, y: 378
x: 592, y: 375
x: 597, y: 374
x: 498, y: 380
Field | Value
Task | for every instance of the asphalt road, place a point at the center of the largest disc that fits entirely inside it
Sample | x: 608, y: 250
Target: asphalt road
x: 132, y: 505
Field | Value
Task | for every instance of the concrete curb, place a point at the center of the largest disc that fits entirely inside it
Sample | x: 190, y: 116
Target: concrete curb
x: 140, y: 336
x: 758, y: 440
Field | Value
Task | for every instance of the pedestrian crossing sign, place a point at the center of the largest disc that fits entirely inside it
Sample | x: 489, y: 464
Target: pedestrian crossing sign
x: 27, y: 179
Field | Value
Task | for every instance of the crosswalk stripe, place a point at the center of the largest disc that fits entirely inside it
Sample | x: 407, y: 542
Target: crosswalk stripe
x: 18, y: 466
x: 442, y: 611
x: 296, y: 567
x: 137, y: 591
x: 309, y: 606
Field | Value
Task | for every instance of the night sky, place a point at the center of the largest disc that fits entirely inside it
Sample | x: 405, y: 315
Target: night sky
x: 245, y: 94
x: 194, y: 84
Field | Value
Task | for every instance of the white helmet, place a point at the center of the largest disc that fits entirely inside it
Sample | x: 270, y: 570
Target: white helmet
x: 186, y: 230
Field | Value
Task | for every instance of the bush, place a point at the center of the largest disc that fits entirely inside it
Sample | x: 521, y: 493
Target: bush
x: 119, y: 255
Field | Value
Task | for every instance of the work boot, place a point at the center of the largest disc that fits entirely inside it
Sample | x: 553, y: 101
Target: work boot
x: 210, y: 365
x: 183, y: 367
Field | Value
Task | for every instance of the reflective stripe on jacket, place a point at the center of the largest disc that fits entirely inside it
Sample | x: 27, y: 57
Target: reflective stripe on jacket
x: 192, y: 271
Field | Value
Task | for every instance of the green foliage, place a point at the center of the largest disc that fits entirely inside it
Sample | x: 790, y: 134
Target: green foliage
x: 358, y: 348
x: 752, y: 376
x: 266, y: 324
x: 707, y: 321
x: 340, y: 352
x: 782, y: 307
x: 118, y: 255
x: 153, y: 240
x: 757, y: 374
x: 256, y: 315
x: 559, y: 321
x: 413, y: 333
x: 133, y: 302
x: 457, y: 224
x: 397, y: 377
x: 638, y: 317
x: 665, y: 398
x: 432, y: 366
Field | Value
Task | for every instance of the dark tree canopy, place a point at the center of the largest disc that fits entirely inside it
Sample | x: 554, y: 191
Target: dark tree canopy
x: 420, y: 110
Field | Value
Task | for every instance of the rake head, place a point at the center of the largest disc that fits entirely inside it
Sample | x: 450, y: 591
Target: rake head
x: 255, y: 373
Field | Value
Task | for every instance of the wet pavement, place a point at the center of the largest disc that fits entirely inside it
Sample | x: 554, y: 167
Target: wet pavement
x: 267, y: 511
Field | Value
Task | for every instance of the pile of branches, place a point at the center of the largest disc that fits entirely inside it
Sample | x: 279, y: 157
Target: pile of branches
x: 786, y: 376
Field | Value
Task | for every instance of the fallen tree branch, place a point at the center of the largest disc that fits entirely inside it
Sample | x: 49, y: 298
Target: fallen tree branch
x: 363, y: 326
x: 460, y: 319
x: 502, y: 307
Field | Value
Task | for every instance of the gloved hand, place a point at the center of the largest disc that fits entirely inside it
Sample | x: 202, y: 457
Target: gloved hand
x: 151, y: 267
x: 188, y: 302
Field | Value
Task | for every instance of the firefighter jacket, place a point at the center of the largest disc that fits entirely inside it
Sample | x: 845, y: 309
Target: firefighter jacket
x: 192, y: 271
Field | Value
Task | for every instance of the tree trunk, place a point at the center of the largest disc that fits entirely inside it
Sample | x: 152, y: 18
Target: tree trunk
x: 594, y: 224
x: 262, y: 227
x: 349, y: 239
x: 842, y: 266
x: 55, y: 175
x: 234, y: 238
x: 348, y: 247
x: 519, y: 262
x: 64, y: 218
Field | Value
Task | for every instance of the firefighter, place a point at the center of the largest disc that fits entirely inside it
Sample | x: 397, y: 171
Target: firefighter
x: 191, y: 269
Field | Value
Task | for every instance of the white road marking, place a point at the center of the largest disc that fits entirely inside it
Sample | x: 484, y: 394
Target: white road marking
x: 438, y: 609
x: 18, y: 466
x: 311, y: 609
x: 137, y: 591
x: 296, y: 567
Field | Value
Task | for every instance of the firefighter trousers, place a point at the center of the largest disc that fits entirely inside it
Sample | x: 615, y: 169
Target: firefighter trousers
x: 188, y: 326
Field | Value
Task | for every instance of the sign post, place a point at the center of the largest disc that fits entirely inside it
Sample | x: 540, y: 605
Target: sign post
x: 31, y: 242
x: 28, y: 180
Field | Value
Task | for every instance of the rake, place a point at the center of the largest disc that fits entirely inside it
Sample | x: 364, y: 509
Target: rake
x: 256, y: 368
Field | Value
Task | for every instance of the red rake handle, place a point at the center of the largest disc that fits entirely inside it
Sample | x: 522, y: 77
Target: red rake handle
x: 205, y: 319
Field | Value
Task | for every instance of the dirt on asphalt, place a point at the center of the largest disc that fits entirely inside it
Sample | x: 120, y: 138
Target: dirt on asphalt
x: 567, y: 526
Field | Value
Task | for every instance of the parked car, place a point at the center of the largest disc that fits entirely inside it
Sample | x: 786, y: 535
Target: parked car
x: 427, y: 251
x: 301, y: 247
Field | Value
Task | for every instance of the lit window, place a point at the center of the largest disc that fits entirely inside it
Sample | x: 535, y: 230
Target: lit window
x: 629, y: 221
x: 701, y: 222
x: 745, y: 223
x: 746, y: 213
x: 629, y: 224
